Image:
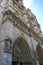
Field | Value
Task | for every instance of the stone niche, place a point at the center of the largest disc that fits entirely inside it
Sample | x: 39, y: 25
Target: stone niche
x: 7, y: 58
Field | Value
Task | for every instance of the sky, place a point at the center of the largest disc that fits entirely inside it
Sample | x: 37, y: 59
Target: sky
x: 36, y: 7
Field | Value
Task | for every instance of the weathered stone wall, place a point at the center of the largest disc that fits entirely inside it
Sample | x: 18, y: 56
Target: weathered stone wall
x: 7, y: 30
x: 0, y: 1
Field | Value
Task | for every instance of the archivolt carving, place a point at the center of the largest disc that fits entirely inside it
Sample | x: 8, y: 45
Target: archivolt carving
x: 40, y: 53
x: 21, y: 49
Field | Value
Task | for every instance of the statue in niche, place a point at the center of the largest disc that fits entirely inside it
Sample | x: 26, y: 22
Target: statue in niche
x: 7, y: 46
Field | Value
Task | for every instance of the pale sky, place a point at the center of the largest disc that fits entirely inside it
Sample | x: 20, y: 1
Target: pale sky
x: 28, y: 3
x: 36, y: 7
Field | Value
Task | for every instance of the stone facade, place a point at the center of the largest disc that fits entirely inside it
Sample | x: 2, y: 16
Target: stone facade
x: 20, y: 35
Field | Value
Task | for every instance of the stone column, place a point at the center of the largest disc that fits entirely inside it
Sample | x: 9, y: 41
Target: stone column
x: 1, y: 52
x: 34, y: 52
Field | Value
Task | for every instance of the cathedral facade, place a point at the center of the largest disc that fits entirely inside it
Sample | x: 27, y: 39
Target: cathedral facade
x: 21, y: 39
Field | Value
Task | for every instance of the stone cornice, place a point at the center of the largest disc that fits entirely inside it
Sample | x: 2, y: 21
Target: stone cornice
x: 23, y: 27
x: 29, y: 29
x: 15, y: 2
x: 16, y: 13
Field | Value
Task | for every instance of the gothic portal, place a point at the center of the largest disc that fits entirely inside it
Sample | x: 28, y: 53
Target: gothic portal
x: 21, y: 39
x: 21, y: 53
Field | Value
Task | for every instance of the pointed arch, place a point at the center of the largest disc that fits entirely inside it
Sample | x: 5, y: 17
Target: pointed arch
x: 21, y: 50
x: 40, y: 54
